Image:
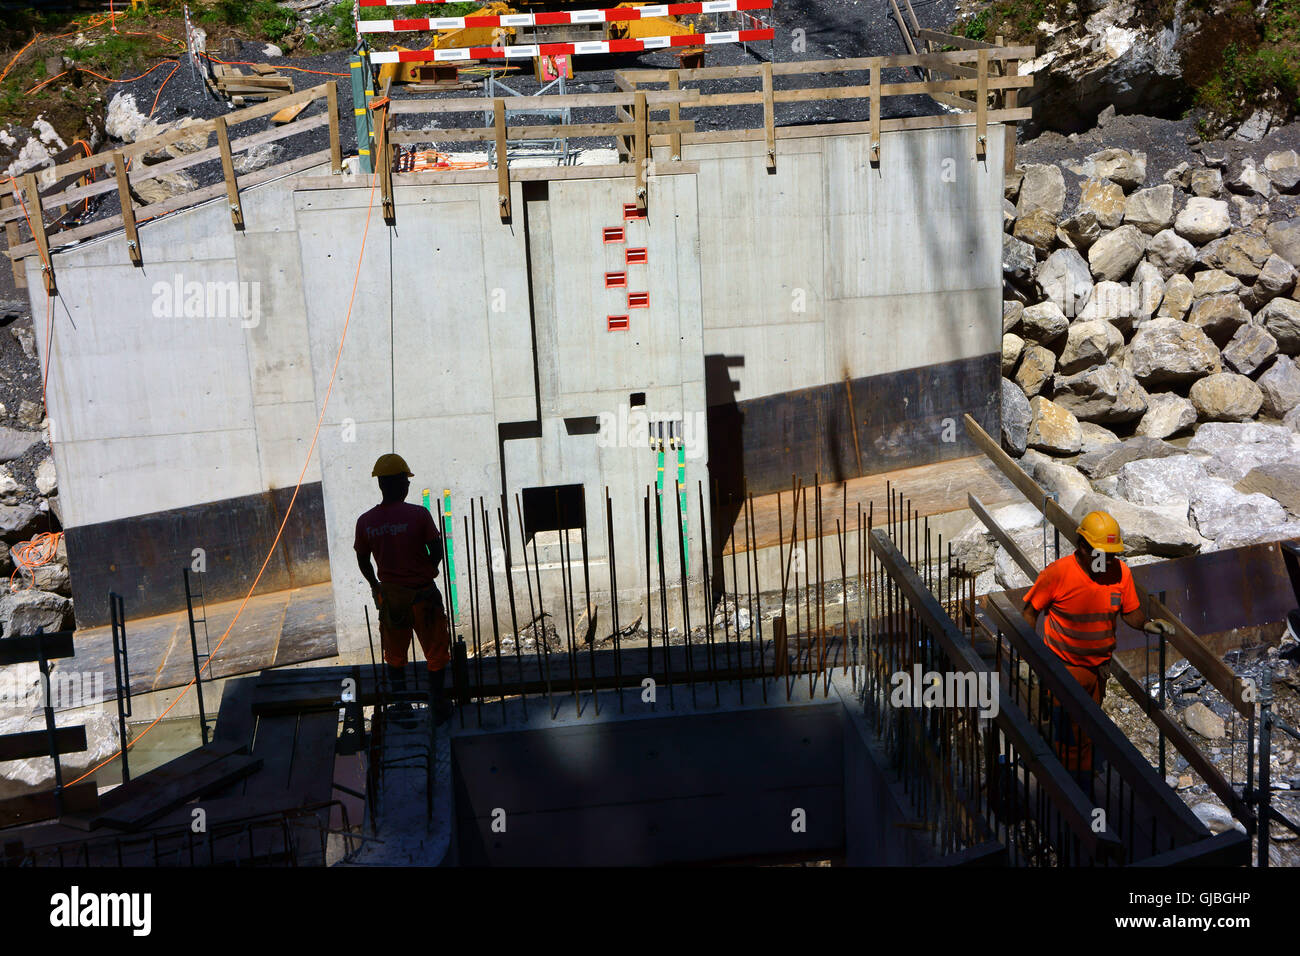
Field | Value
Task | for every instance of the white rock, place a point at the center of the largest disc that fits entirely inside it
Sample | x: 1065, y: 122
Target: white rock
x: 1234, y: 449
x: 1217, y: 509
x: 1202, y: 220
x: 1161, y: 481
x: 46, y: 479
x: 1167, y: 414
x: 1170, y: 253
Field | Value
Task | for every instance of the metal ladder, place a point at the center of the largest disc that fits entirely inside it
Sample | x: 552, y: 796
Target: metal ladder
x: 200, y: 660
x: 557, y: 148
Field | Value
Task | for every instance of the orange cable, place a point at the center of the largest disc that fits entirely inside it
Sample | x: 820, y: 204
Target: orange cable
x: 338, y: 356
x: 160, y: 88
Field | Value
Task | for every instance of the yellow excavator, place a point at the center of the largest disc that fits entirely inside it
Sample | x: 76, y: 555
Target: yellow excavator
x: 555, y: 33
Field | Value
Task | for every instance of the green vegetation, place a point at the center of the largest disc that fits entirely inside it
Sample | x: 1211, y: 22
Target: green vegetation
x: 1254, y: 66
x: 263, y: 19
x: 1016, y: 21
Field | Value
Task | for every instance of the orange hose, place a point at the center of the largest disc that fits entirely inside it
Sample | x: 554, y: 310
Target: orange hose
x: 29, y: 555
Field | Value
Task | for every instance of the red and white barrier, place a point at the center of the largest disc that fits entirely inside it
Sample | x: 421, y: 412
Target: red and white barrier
x: 611, y: 15
x: 522, y: 51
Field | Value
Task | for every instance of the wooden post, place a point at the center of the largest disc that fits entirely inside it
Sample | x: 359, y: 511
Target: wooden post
x: 875, y: 109
x: 37, y: 215
x: 384, y: 161
x: 128, y: 210
x: 780, y: 660
x: 503, y: 158
x: 228, y: 171
x: 640, y: 114
x: 13, y: 240
x: 769, y: 115
x: 1009, y: 127
x: 336, y: 147
x: 982, y: 105
x: 675, y: 114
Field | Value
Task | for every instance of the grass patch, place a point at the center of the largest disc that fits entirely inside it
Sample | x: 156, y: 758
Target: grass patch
x: 1257, y: 62
x: 1016, y: 21
x: 260, y: 19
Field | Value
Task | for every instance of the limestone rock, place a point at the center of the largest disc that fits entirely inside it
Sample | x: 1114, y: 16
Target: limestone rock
x: 1043, y: 187
x: 1218, y: 316
x: 1167, y: 350
x: 1292, y: 420
x: 1095, y: 436
x: 1256, y: 126
x: 1063, y: 479
x: 1241, y: 254
x: 1082, y: 229
x: 1006, y: 572
x: 256, y: 157
x: 164, y: 187
x: 1218, y: 509
x: 1280, y: 385
x: 1215, y: 282
x: 1086, y: 344
x: 1276, y: 277
x: 1151, y: 210
x: 972, y: 548
x: 1284, y: 239
x: 1104, y: 199
x: 1011, y: 313
x: 1170, y: 253
x: 46, y: 479
x: 1036, y: 367
x: 1044, y: 322
x: 14, y: 443
x: 1103, y: 393
x: 22, y: 612
x: 19, y: 522
x: 1250, y: 348
x: 1016, y: 418
x: 1206, y: 183
x: 1117, y: 302
x: 1011, y: 183
x: 1226, y: 397
x: 1109, y: 459
x: 1036, y: 227
x: 1251, y: 180
x: 1167, y: 414
x: 1209, y: 725
x: 38, y: 773
x: 1177, y: 299
x: 1115, y: 254
x: 1161, y: 481
x: 1053, y: 429
x: 1283, y: 170
x: 1128, y: 169
x: 1234, y: 449
x: 1202, y: 220
x: 1064, y: 279
x: 1280, y: 480
x: 1282, y: 319
x: 1018, y: 261
x: 1012, y: 346
x: 1145, y: 530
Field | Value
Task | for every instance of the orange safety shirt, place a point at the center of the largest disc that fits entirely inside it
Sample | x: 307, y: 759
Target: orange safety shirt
x: 1080, y: 624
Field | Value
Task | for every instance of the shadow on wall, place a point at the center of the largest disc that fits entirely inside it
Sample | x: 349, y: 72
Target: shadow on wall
x: 726, y: 454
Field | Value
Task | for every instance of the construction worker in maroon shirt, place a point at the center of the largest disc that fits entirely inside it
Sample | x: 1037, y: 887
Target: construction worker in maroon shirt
x: 1083, y: 593
x: 404, y: 541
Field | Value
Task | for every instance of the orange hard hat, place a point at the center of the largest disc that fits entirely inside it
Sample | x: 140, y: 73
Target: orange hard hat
x: 1101, y: 531
x: 391, y: 464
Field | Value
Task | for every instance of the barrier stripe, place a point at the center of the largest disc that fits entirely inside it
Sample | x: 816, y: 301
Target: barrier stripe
x: 562, y: 49
x: 610, y: 15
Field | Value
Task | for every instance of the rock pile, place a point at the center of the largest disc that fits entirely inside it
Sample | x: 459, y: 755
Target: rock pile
x: 1150, y: 336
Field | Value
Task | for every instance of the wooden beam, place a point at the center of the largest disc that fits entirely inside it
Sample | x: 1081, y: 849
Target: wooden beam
x: 332, y: 108
x: 675, y: 113
x: 35, y: 807
x: 36, y: 743
x: 12, y: 239
x: 902, y: 27
x: 480, y: 104
x: 36, y: 213
x: 847, y: 65
x: 228, y: 173
x: 522, y: 174
x: 947, y: 39
x: 769, y: 116
x: 1009, y: 99
x: 875, y: 112
x: 642, y: 148
x: 982, y: 106
x: 27, y: 648
x: 503, y: 158
x: 128, y: 211
x: 553, y: 131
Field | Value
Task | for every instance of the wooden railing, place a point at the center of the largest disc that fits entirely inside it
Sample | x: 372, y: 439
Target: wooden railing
x: 24, y: 215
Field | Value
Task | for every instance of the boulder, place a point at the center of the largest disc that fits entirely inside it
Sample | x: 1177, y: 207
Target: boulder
x: 1087, y: 343
x: 1036, y: 367
x: 1082, y: 229
x: 1161, y: 481
x: 972, y: 548
x: 1103, y: 393
x: 1280, y: 385
x: 1117, y: 302
x: 1280, y: 480
x: 22, y: 612
x: 1011, y: 183
x: 1202, y: 220
x: 1170, y: 253
x: 1012, y: 346
x: 38, y: 772
x: 15, y: 443
x: 1006, y: 572
x: 1095, y: 436
x: 1128, y: 169
x: 1256, y: 126
x: 1276, y: 277
x: 1210, y: 282
x: 1018, y: 261
x: 1115, y: 254
x: 1146, y: 530
x: 1053, y: 428
x: 1218, y: 316
x: 1065, y: 280
x: 1283, y: 170
x: 1284, y: 239
x: 1063, y: 479
x: 1036, y: 227
x: 1167, y: 414
x: 1250, y: 348
x: 1016, y: 418
x: 1109, y: 459
x: 1104, y: 199
x: 1170, y: 351
x: 1217, y: 509
x: 1234, y: 449
x: 46, y: 479
x: 1282, y: 319
x: 1285, y: 531
x: 1206, y: 183
x: 164, y: 187
x: 19, y: 522
x: 1011, y: 313
x: 1043, y: 323
x: 1226, y: 397
x: 1151, y: 210
x: 1208, y: 724
x: 1149, y: 289
x: 1292, y: 420
x: 1241, y: 254
x: 1177, y: 299
x: 1043, y: 187
x: 1251, y: 180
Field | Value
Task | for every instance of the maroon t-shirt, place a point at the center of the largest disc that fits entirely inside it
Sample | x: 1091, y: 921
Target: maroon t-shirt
x: 396, y: 534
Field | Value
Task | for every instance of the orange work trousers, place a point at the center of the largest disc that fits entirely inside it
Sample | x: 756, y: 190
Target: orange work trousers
x: 1072, y: 745
x: 405, y: 611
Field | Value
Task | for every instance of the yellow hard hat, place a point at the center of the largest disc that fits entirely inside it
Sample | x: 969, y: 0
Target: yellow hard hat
x: 391, y: 464
x: 1101, y: 531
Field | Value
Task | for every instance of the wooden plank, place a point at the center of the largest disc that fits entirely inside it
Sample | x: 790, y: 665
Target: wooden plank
x: 642, y: 150
x: 12, y: 239
x: 1184, y: 639
x: 36, y: 217
x: 266, y: 69
x: 274, y: 744
x: 26, y: 648
x: 1009, y: 99
x: 34, y: 807
x: 1230, y: 848
x: 523, y: 174
x: 769, y: 116
x: 167, y: 796
x: 503, y: 158
x: 235, y: 720
x: 480, y: 104
x: 875, y: 94
x: 902, y: 27
x: 290, y: 113
x: 554, y: 131
x: 128, y: 211
x: 982, y: 106
x: 276, y: 82
x: 332, y: 109
x: 228, y: 174
x: 849, y: 129
x: 675, y: 114
x: 846, y: 65
x: 947, y: 39
x: 36, y: 743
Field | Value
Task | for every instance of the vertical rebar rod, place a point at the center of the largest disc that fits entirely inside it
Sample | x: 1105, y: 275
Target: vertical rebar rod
x: 570, y: 625
x: 649, y: 604
x: 528, y: 580
x: 504, y: 521
x: 492, y: 604
x: 471, y: 535
x: 705, y: 573
x: 735, y: 604
x: 591, y: 609
x: 541, y: 619
x: 663, y: 599
x: 754, y: 610
x: 678, y: 493
x: 613, y: 596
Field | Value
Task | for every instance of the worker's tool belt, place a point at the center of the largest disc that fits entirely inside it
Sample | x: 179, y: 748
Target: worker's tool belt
x: 396, y: 602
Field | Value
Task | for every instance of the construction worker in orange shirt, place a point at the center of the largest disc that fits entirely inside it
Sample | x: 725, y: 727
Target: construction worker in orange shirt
x: 403, y: 538
x: 1082, y: 594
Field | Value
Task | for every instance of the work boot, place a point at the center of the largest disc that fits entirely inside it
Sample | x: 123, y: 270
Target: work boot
x: 442, y: 707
